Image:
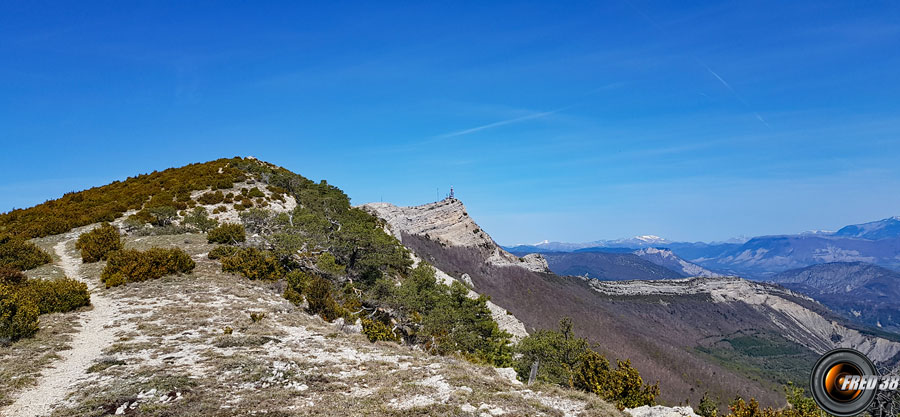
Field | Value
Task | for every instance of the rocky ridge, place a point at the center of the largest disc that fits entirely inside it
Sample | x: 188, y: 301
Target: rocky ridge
x: 788, y: 310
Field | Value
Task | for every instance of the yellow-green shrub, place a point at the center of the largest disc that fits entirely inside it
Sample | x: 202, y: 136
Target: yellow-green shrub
x: 622, y: 386
x: 20, y: 254
x: 228, y: 233
x: 254, y: 264
x: 211, y: 197
x: 18, y: 314
x: 59, y: 295
x: 377, y: 330
x: 222, y: 251
x: 131, y: 265
x: 97, y: 243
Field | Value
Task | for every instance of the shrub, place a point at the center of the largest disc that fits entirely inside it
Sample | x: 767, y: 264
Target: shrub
x: 222, y: 251
x: 255, y: 192
x: 559, y: 353
x: 161, y: 215
x: 622, y: 386
x: 328, y: 265
x: 707, y: 407
x: 9, y: 276
x: 321, y: 302
x: 199, y: 219
x: 254, y: 264
x: 97, y: 243
x: 18, y: 314
x: 212, y: 197
x: 19, y: 254
x: 257, y: 317
x: 131, y: 265
x: 377, y: 330
x: 60, y: 295
x: 228, y: 233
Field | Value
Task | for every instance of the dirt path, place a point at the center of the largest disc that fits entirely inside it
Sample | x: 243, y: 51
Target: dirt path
x: 96, y: 333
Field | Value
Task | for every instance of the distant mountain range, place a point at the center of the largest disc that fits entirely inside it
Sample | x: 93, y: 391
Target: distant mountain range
x: 761, y: 257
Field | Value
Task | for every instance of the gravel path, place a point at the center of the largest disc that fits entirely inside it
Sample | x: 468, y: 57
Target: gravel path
x: 95, y: 334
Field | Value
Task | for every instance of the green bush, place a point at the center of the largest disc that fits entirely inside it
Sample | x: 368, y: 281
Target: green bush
x: 445, y: 320
x: 228, y: 233
x: 129, y: 265
x: 377, y: 330
x: 329, y: 266
x: 59, y: 295
x: 19, y: 254
x: 254, y: 264
x: 199, y: 219
x: 707, y: 407
x: 622, y: 386
x: 320, y: 299
x: 222, y: 251
x: 559, y: 353
x: 18, y: 314
x: 96, y: 244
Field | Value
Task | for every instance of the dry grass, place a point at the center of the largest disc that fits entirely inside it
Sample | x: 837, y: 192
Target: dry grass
x: 172, y: 357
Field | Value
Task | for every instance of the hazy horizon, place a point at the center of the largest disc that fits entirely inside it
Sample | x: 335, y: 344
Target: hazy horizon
x: 567, y: 122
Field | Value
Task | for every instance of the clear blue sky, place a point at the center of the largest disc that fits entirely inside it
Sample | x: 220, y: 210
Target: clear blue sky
x: 569, y: 121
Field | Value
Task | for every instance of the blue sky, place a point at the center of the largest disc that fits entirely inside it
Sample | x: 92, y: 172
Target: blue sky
x: 569, y: 121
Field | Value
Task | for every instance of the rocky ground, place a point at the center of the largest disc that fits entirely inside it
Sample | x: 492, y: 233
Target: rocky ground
x: 161, y: 348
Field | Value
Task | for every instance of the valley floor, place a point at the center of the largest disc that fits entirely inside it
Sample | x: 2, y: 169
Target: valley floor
x: 159, y: 348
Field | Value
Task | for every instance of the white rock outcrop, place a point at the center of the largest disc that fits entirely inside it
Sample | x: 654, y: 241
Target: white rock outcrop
x: 660, y: 411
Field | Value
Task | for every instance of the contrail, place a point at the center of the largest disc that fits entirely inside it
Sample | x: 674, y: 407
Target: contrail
x: 727, y: 85
x: 504, y: 122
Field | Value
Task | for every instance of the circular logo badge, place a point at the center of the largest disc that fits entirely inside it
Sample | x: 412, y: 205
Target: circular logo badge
x: 838, y: 382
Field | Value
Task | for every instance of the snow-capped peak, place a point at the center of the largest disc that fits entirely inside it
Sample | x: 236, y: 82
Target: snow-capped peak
x: 543, y: 242
x: 650, y: 238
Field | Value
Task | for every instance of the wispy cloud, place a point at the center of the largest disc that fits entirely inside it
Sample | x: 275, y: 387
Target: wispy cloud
x: 503, y: 123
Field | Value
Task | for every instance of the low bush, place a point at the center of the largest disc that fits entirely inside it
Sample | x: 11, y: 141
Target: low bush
x: 320, y: 299
x: 377, y: 330
x: 18, y: 314
x: 211, y: 197
x: 622, y: 386
x: 131, y: 265
x: 222, y: 251
x: 254, y: 264
x: 9, y: 276
x: 59, y: 295
x: 228, y: 233
x: 96, y: 244
x: 199, y: 219
x: 20, y: 254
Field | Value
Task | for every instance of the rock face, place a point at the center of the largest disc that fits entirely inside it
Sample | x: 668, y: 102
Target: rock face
x: 660, y: 411
x: 668, y: 259
x: 448, y: 223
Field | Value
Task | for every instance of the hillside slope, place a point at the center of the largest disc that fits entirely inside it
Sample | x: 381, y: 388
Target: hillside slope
x: 170, y: 356
x: 255, y: 340
x: 862, y: 292
x: 723, y: 335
